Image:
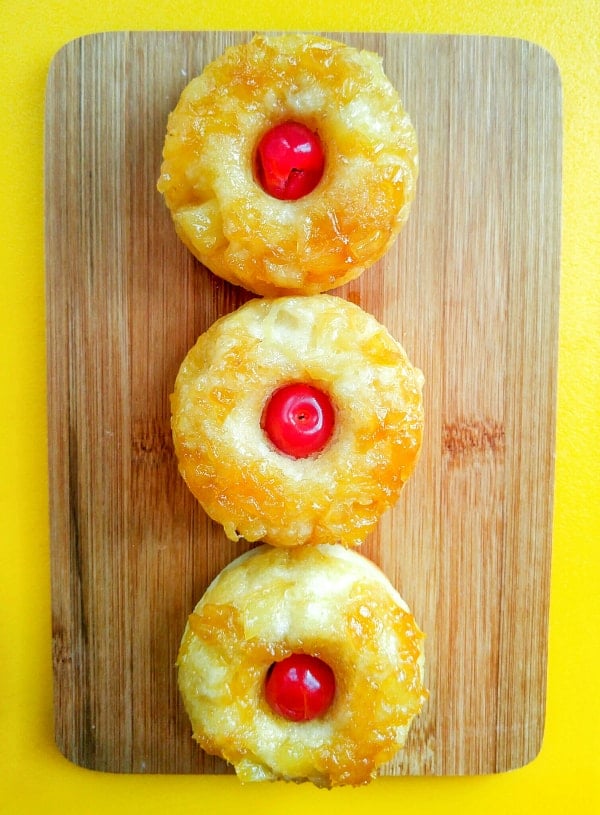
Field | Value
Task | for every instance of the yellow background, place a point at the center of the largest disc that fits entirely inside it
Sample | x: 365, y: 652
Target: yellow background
x: 34, y: 777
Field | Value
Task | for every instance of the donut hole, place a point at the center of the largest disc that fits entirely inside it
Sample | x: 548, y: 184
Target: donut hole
x: 289, y: 160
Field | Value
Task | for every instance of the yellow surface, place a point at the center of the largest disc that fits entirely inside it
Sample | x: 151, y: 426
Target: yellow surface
x: 34, y: 777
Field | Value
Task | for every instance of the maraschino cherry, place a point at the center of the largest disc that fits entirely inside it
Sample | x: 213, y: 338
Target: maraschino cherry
x: 298, y: 419
x: 300, y: 687
x: 289, y: 161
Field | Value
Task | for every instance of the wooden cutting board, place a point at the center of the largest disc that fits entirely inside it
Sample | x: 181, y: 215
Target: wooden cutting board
x: 470, y: 289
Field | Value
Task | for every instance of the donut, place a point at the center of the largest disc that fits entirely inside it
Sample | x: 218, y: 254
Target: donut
x: 230, y: 176
x: 321, y: 468
x: 302, y: 664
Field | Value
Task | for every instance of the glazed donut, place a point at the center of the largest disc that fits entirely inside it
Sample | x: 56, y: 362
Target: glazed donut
x: 325, y: 605
x: 212, y: 179
x: 241, y: 453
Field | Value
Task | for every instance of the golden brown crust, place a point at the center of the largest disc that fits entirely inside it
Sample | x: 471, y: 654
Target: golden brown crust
x: 328, y: 237
x: 231, y: 467
x: 326, y: 601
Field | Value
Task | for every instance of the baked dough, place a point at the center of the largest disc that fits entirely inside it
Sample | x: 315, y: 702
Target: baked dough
x: 240, y: 478
x: 326, y: 601
x: 347, y: 222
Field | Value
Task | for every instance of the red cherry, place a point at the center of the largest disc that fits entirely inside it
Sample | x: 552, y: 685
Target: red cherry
x: 300, y: 687
x: 298, y: 419
x: 289, y: 161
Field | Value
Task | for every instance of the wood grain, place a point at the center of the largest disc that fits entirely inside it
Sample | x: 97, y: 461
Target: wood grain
x: 470, y: 289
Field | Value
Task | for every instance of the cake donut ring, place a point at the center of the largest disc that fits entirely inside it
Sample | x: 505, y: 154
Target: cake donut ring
x: 322, y: 469
x: 321, y: 606
x: 362, y: 156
